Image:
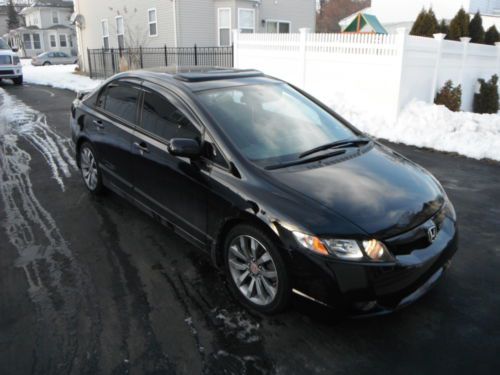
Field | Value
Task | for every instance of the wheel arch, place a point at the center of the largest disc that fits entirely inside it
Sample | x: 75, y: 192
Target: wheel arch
x: 217, y: 249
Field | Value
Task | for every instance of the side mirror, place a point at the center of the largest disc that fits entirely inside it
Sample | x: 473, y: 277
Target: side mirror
x: 184, y: 147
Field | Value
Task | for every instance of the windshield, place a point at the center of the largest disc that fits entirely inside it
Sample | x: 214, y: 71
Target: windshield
x: 272, y: 123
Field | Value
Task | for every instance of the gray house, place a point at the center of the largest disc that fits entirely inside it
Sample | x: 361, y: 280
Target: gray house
x: 48, y: 28
x: 183, y: 23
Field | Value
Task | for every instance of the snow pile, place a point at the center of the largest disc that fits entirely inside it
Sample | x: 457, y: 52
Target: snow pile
x: 428, y: 125
x: 58, y: 76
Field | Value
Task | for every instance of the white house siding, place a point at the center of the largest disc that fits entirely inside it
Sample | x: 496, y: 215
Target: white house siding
x: 196, y: 23
x: 301, y: 13
x: 135, y: 18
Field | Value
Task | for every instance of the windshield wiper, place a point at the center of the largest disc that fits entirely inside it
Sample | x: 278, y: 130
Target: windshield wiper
x: 304, y: 161
x: 338, y: 144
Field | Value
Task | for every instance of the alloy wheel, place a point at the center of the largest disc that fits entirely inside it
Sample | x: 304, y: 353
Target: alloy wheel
x: 253, y: 270
x: 89, y: 168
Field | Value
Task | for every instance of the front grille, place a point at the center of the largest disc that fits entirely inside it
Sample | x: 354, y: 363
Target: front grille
x: 417, y: 238
x: 6, y: 72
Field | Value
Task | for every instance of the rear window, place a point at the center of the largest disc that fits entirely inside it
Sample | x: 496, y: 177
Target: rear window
x: 5, y: 60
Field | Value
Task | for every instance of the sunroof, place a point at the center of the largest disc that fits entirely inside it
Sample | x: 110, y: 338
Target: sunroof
x: 216, y: 74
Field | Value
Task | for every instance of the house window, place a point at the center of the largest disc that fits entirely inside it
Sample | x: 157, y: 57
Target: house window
x: 36, y: 41
x: 55, y: 17
x: 27, y: 41
x: 53, y: 42
x: 153, y: 31
x: 70, y: 39
x: 224, y: 26
x: 120, y: 32
x: 280, y: 27
x: 246, y: 21
x: 105, y: 34
x: 62, y: 40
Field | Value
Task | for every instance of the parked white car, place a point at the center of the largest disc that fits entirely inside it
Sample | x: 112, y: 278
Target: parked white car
x: 10, y: 64
x: 53, y: 58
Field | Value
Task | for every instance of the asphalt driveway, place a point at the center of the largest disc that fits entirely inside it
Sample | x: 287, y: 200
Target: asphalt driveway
x: 95, y: 286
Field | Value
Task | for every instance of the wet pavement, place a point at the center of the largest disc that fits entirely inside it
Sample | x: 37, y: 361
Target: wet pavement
x: 92, y: 285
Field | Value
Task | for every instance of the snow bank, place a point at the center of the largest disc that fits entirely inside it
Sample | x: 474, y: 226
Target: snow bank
x: 58, y: 76
x: 428, y: 125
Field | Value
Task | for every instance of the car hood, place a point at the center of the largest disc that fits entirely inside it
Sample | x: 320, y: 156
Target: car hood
x: 379, y: 191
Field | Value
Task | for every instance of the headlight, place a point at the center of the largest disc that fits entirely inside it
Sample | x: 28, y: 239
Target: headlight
x: 345, y: 249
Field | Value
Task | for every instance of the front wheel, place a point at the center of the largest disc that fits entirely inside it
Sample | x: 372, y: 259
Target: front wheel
x: 18, y: 80
x: 256, y: 272
x: 90, y: 170
x: 46, y: 63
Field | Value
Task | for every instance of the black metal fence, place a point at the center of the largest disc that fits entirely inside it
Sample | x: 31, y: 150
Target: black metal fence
x: 103, y: 63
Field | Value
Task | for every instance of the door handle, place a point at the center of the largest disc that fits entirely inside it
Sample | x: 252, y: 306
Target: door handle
x: 98, y: 124
x: 143, y: 147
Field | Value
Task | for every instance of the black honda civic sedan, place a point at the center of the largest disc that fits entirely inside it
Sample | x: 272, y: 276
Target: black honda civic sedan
x: 281, y: 192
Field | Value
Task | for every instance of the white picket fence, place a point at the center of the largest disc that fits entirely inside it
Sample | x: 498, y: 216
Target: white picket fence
x: 381, y: 73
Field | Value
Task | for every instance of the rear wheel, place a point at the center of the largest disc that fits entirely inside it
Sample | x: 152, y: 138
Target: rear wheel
x: 46, y: 63
x: 89, y: 167
x: 18, y: 80
x: 256, y: 272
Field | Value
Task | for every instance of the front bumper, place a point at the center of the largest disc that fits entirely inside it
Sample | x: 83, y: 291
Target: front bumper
x: 10, y: 71
x: 375, y: 288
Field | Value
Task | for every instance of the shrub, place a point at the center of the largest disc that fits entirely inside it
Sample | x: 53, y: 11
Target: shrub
x: 426, y: 24
x: 487, y: 101
x: 476, y: 30
x: 492, y: 36
x: 450, y: 97
x: 459, y: 25
x: 443, y: 27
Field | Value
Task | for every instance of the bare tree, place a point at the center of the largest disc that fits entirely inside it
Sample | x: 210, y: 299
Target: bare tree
x: 135, y: 38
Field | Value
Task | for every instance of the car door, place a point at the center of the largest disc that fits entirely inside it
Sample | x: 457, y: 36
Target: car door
x: 113, y: 125
x: 174, y: 187
x: 65, y: 58
x: 52, y: 58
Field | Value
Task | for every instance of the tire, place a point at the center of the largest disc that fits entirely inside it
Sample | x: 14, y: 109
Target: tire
x: 47, y: 63
x: 266, y: 287
x: 18, y: 80
x: 90, y: 170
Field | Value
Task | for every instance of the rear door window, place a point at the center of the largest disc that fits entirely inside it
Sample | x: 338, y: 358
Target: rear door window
x: 121, y: 101
x: 163, y: 119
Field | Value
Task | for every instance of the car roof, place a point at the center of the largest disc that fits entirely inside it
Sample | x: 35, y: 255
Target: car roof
x: 200, y: 78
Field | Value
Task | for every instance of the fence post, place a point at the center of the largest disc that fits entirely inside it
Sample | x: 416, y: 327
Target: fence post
x: 439, y: 39
x: 142, y: 62
x: 465, y: 44
x: 166, y: 55
x: 232, y: 55
x: 113, y: 66
x: 236, y: 46
x: 90, y: 63
x: 401, y: 39
x: 195, y: 55
x: 302, y: 55
x: 103, y: 61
